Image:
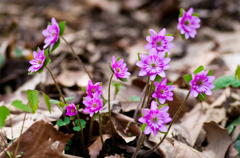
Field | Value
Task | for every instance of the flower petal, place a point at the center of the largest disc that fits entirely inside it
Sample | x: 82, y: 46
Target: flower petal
x: 154, y: 105
x: 152, y: 33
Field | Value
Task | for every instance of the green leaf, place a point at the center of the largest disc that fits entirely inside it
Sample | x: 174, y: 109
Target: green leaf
x: 84, y: 89
x: 66, y: 121
x: 195, y: 14
x: 158, y: 79
x: 4, y: 112
x: 54, y: 101
x: 61, y: 104
x: 100, y: 84
x: 168, y: 35
x: 8, y: 154
x: 226, y: 81
x: 148, y: 32
x: 72, y: 117
x: 69, y: 98
x: 55, y: 45
x: 199, y: 69
x: 202, y: 96
x: 237, y: 73
x: 47, y: 61
x: 210, y: 72
x: 47, y: 101
x: 109, y: 65
x: 237, y: 146
x: 117, y: 87
x: 118, y: 59
x: 49, y: 23
x: 134, y: 98
x: 181, y: 12
x: 1, y: 60
x: 123, y: 79
x: 182, y: 36
x: 46, y: 53
x: 83, y: 123
x: 139, y: 59
x: 32, y: 96
x: 160, y: 106
x: 29, y: 73
x: 143, y: 126
x: 95, y: 115
x: 166, y: 55
x: 231, y: 127
x: 19, y: 105
x: 104, y: 101
x: 61, y: 27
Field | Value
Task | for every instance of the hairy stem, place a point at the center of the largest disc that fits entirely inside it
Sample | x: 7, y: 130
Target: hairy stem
x: 100, y: 131
x: 139, y: 144
x: 149, y: 95
x: 90, y: 132
x: 145, y: 92
x: 56, y: 85
x: 109, y: 112
x: 82, y: 137
x: 174, y: 118
x: 80, y: 61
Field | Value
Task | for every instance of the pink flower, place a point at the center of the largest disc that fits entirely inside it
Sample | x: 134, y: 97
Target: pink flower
x: 153, y: 64
x: 187, y: 24
x: 51, y: 34
x: 159, y: 41
x: 119, y: 68
x: 38, y: 61
x: 91, y: 89
x: 155, y: 119
x: 162, y: 91
x: 201, y: 83
x: 93, y: 105
x: 71, y: 110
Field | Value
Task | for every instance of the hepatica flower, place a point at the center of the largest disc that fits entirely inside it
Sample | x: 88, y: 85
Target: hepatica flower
x: 159, y: 41
x: 38, y: 61
x: 155, y: 119
x: 201, y: 83
x: 153, y: 65
x: 93, y: 88
x: 187, y: 24
x: 162, y: 91
x: 51, y: 34
x: 71, y: 110
x: 119, y: 68
x: 93, y: 105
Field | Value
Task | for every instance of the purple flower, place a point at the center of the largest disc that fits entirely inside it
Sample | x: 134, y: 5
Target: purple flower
x: 153, y: 64
x: 119, y: 68
x: 162, y: 91
x: 71, y: 110
x: 159, y: 41
x: 51, y: 34
x: 93, y: 105
x: 201, y: 83
x: 155, y: 119
x: 91, y: 89
x: 38, y: 61
x: 187, y: 24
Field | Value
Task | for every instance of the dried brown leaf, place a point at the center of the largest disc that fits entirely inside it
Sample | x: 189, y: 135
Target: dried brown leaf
x: 96, y: 147
x: 40, y: 140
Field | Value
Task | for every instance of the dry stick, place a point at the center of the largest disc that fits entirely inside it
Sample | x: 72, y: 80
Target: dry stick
x: 90, y: 133
x: 80, y: 61
x: 3, y: 140
x: 20, y: 134
x: 13, y: 154
x: 109, y: 111
x: 175, y: 116
x: 82, y: 139
x: 100, y: 131
x: 138, y: 144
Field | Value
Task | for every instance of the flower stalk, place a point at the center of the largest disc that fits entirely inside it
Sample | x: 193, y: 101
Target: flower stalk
x: 82, y: 137
x: 90, y: 132
x: 100, y: 131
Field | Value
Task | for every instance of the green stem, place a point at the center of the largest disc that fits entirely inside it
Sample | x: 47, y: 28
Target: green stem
x: 109, y: 112
x: 20, y: 134
x: 174, y: 118
x: 56, y: 85
x: 100, y: 131
x: 90, y: 133
x: 149, y: 95
x: 80, y: 61
x: 82, y: 137
x: 142, y: 137
x: 13, y: 154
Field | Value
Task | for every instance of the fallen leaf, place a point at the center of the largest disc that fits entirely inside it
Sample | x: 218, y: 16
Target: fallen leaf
x: 218, y: 140
x: 96, y: 147
x: 114, y: 156
x: 36, y: 142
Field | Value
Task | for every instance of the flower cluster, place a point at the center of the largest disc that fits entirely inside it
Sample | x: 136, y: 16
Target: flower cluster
x: 92, y: 101
x: 155, y: 119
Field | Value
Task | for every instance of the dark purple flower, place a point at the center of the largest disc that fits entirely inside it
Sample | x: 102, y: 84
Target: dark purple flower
x: 71, y: 110
x: 201, y: 83
x: 51, y: 34
x: 119, y: 68
x: 159, y: 41
x: 187, y: 24
x: 162, y: 91
x: 38, y: 61
x: 153, y: 65
x: 155, y: 119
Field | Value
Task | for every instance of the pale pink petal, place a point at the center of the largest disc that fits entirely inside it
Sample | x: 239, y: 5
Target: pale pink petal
x: 154, y: 105
x: 147, y: 130
x: 163, y: 128
x: 152, y: 33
